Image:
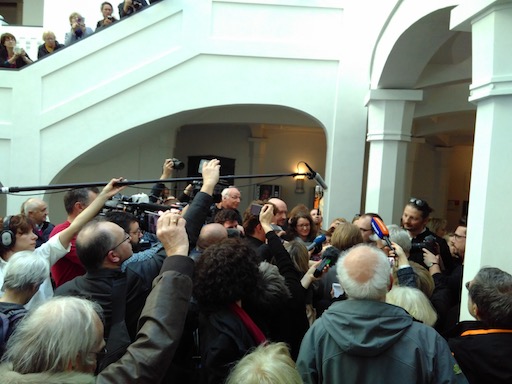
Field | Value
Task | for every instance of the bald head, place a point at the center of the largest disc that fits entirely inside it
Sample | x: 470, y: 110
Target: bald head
x: 282, y: 211
x: 35, y: 209
x: 97, y: 239
x: 211, y: 234
x: 364, y: 273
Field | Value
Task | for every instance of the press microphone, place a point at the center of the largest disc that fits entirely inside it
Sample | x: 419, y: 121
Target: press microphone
x: 317, y: 177
x: 318, y: 240
x: 380, y: 229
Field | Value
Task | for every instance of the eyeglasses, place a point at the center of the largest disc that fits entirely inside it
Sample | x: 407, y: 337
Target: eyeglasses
x: 418, y: 202
x: 458, y: 237
x: 126, y: 238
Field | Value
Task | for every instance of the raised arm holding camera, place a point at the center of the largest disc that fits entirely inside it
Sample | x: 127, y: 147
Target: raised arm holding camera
x: 128, y: 7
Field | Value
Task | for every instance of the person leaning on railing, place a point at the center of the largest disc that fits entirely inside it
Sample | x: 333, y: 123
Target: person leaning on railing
x: 10, y: 55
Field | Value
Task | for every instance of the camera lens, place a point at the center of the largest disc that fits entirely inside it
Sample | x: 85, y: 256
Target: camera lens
x: 178, y: 164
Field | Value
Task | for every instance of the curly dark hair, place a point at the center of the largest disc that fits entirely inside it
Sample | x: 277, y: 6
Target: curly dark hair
x: 292, y: 227
x: 225, y: 273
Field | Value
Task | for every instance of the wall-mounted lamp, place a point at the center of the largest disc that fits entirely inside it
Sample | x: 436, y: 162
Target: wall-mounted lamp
x: 299, y: 180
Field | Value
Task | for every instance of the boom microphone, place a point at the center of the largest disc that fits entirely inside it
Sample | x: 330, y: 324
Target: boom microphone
x: 316, y: 176
x: 318, y: 240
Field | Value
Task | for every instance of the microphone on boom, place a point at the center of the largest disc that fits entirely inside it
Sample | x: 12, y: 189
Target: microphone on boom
x: 316, y: 176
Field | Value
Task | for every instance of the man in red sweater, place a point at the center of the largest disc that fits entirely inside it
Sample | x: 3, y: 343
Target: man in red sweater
x: 69, y: 267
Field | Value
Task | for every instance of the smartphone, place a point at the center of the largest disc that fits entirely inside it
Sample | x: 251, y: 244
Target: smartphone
x: 152, y: 218
x: 200, y: 169
x: 320, y: 269
x: 276, y: 228
x: 337, y: 290
x: 256, y: 209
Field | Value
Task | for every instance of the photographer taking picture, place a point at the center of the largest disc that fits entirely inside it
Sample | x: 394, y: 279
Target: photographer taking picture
x: 106, y: 10
x: 414, y: 220
x: 160, y: 193
x: 128, y: 7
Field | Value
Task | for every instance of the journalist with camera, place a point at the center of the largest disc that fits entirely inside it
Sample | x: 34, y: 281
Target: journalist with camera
x: 414, y: 220
x: 128, y: 7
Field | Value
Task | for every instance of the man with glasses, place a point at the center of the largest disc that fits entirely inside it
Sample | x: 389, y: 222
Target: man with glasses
x: 62, y: 340
x: 414, y: 220
x: 130, y: 225
x: 483, y: 347
x: 364, y: 223
x: 230, y: 199
x: 451, y: 280
x: 103, y: 247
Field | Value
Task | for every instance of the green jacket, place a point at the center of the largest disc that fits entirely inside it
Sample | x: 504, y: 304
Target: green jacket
x: 358, y: 341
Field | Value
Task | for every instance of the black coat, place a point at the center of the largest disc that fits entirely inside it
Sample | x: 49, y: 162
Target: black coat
x: 483, y: 356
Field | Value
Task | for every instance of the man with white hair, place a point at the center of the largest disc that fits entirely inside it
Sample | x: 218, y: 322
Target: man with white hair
x: 37, y: 211
x: 365, y: 340
x: 23, y: 275
x: 230, y: 199
x: 62, y: 340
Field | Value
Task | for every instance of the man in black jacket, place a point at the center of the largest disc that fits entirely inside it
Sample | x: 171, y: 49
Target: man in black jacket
x: 103, y: 246
x: 414, y: 220
x: 483, y: 347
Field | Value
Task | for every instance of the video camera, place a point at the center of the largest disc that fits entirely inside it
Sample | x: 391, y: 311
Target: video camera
x: 139, y: 206
x: 429, y: 242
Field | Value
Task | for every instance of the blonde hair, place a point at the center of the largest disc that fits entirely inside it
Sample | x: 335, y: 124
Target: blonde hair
x: 267, y: 364
x: 345, y: 236
x: 414, y: 302
x: 45, y: 35
x: 73, y: 15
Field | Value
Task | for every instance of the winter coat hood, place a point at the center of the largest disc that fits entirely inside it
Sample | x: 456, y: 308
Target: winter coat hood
x: 367, y: 328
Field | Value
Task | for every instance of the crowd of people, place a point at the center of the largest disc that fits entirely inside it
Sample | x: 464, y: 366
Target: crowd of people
x: 258, y: 295
x: 13, y: 56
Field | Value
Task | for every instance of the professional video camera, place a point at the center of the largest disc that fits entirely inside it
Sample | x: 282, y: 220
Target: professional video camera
x: 139, y: 206
x: 429, y: 242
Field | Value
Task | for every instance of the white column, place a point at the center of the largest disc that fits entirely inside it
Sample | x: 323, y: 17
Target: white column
x: 390, y: 114
x: 490, y: 205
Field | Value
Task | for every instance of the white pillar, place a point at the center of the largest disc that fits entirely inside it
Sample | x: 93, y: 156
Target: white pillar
x: 390, y: 114
x: 490, y: 206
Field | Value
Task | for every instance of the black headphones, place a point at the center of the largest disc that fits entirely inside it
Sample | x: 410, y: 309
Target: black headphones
x: 7, y: 236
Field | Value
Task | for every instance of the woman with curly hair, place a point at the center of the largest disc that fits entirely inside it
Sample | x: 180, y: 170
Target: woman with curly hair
x: 301, y: 227
x: 225, y: 276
